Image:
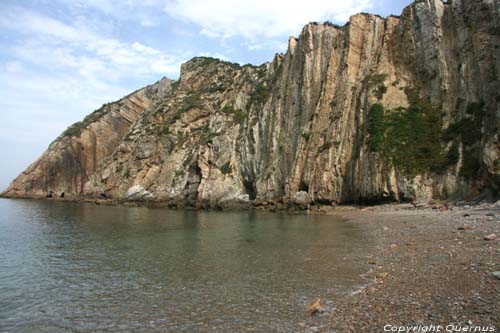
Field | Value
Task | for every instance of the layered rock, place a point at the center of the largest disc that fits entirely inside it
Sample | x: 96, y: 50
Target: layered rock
x: 402, y: 108
x: 77, y: 153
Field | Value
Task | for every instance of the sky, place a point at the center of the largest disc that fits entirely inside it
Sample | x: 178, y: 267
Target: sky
x: 62, y: 59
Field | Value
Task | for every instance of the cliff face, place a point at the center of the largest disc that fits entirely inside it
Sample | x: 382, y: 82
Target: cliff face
x: 403, y: 108
x: 77, y: 153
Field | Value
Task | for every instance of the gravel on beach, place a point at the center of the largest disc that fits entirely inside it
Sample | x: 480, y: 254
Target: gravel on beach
x: 431, y: 266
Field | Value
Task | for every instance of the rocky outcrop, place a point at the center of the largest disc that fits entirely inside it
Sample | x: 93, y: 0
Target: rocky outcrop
x: 77, y: 153
x: 401, y: 108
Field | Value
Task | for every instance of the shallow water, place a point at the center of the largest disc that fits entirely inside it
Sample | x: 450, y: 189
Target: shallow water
x: 81, y: 268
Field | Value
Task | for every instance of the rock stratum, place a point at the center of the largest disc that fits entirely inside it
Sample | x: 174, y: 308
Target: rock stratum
x: 381, y: 109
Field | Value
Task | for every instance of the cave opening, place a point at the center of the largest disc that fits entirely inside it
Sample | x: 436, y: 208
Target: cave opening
x: 192, y: 185
x: 250, y: 189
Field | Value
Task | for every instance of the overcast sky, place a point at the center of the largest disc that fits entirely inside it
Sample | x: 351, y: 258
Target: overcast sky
x: 62, y: 59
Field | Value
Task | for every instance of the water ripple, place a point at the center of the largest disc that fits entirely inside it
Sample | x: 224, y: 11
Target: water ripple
x: 81, y: 268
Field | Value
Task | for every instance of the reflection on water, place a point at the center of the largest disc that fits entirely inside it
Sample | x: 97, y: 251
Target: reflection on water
x: 80, y: 267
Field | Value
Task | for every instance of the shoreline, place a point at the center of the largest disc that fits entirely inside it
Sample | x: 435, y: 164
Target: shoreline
x: 430, y: 265
x: 271, y: 206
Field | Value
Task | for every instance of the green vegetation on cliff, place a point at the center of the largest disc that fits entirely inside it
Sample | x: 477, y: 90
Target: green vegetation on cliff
x: 376, y: 127
x: 259, y: 96
x: 376, y: 81
x: 189, y: 102
x: 226, y: 168
x: 76, y: 128
x: 412, y: 138
x: 239, y: 115
x: 468, y: 131
x: 409, y: 138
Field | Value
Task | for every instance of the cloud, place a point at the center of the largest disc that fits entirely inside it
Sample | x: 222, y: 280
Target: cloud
x: 56, y: 66
x: 79, y: 46
x: 56, y: 72
x: 144, y: 12
x: 260, y: 19
x: 13, y: 66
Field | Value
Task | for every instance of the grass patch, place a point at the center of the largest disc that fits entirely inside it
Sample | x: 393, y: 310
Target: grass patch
x: 189, y: 102
x: 207, y: 135
x: 207, y: 138
x: 330, y: 24
x: 226, y: 168
x: 239, y: 115
x: 74, y: 130
x: 216, y: 88
x: 259, y: 96
x: 165, y: 130
x: 77, y: 128
x: 376, y: 80
x: 206, y: 61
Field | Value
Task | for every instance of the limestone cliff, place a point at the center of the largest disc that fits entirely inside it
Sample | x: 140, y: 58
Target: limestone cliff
x: 401, y: 108
x: 77, y: 153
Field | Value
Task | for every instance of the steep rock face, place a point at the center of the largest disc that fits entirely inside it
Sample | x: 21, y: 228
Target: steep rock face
x: 76, y: 154
x: 402, y: 108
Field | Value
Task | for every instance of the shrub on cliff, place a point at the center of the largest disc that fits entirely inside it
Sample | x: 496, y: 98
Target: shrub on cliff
x: 409, y: 138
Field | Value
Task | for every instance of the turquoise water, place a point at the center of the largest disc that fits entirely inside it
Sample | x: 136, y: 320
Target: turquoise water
x: 70, y: 267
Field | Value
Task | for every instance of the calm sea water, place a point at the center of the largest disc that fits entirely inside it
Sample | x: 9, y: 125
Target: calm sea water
x: 67, y: 267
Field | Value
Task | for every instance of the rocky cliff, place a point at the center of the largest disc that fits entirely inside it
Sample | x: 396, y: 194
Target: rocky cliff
x: 397, y: 108
x: 78, y: 152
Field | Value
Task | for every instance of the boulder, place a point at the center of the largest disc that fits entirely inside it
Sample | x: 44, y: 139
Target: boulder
x: 138, y: 193
x: 490, y: 237
x: 302, y: 199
